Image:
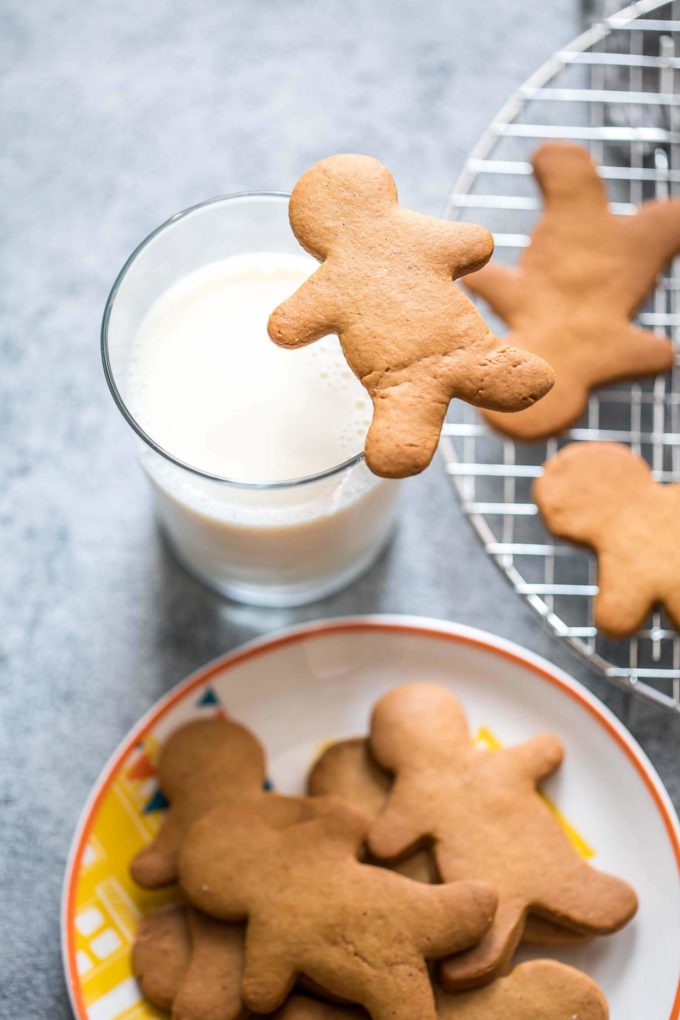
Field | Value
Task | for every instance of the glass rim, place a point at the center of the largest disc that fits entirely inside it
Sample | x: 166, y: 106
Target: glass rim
x: 127, y: 414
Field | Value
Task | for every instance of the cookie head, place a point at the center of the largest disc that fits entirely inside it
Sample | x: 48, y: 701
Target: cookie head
x: 417, y: 721
x: 338, y: 197
x: 211, y: 751
x: 583, y: 482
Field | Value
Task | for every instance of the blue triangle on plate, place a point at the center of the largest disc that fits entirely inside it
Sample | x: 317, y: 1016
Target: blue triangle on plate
x: 158, y: 802
x: 208, y: 698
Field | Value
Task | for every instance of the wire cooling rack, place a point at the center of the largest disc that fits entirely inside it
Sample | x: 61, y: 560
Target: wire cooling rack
x: 614, y: 89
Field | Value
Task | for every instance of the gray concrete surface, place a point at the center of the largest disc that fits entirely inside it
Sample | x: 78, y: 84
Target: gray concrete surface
x: 115, y: 115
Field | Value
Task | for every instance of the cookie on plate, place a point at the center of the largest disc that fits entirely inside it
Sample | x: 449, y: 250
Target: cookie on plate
x: 361, y: 933
x: 347, y: 769
x: 203, y: 763
x: 539, y: 990
x: 485, y: 818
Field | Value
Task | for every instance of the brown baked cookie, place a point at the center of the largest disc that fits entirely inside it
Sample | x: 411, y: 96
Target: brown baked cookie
x: 190, y: 964
x: 360, y: 932
x: 386, y: 288
x: 196, y: 962
x: 603, y: 495
x: 539, y: 990
x: 161, y: 954
x: 571, y: 297
x: 211, y: 986
x: 487, y: 821
x: 347, y: 769
x: 201, y: 764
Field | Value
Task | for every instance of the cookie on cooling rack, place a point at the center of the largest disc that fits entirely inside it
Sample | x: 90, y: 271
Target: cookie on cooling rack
x: 603, y: 495
x: 577, y: 284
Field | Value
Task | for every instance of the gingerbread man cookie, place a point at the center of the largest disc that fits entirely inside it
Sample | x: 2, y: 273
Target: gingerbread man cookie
x: 603, y: 495
x: 360, y: 932
x: 191, y: 964
x: 485, y: 819
x: 196, y: 962
x: 202, y: 764
x: 539, y: 990
x: 386, y: 288
x: 572, y: 295
x: 347, y: 769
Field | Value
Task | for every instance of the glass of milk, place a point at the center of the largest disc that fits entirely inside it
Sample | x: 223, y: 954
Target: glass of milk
x: 254, y: 453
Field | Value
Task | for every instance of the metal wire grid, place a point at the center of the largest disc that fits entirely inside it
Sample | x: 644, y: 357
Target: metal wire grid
x: 614, y: 89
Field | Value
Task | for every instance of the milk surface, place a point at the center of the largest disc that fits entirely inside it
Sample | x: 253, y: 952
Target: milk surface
x: 208, y: 385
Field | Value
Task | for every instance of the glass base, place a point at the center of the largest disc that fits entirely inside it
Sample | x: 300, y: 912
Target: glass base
x: 285, y: 596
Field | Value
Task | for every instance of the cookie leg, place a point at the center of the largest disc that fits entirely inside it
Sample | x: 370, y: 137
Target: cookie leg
x: 469, y: 906
x: 161, y: 954
x: 404, y: 432
x: 539, y: 931
x: 589, y: 900
x: 492, y: 956
x: 407, y: 993
x: 156, y: 865
x: 267, y: 976
x: 396, y: 831
x: 497, y: 285
x: 211, y: 987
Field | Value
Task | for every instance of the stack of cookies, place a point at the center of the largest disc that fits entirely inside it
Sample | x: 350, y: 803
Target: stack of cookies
x: 398, y: 888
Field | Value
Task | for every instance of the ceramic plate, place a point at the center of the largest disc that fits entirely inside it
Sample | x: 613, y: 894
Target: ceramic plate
x: 314, y: 683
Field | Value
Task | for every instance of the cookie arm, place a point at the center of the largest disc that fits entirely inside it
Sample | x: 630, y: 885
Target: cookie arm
x: 468, y: 246
x: 307, y: 315
x: 401, y: 994
x: 639, y: 352
x: 397, y: 830
x: 657, y: 224
x: 538, y: 758
x: 493, y: 954
x: 497, y: 285
x: 622, y: 602
x: 156, y: 865
x: 452, y: 916
x: 589, y: 900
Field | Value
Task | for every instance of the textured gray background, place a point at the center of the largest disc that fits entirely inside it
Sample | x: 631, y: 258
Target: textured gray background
x: 115, y: 115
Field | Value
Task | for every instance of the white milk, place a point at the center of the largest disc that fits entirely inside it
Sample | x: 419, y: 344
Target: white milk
x: 206, y: 384
x: 209, y: 386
